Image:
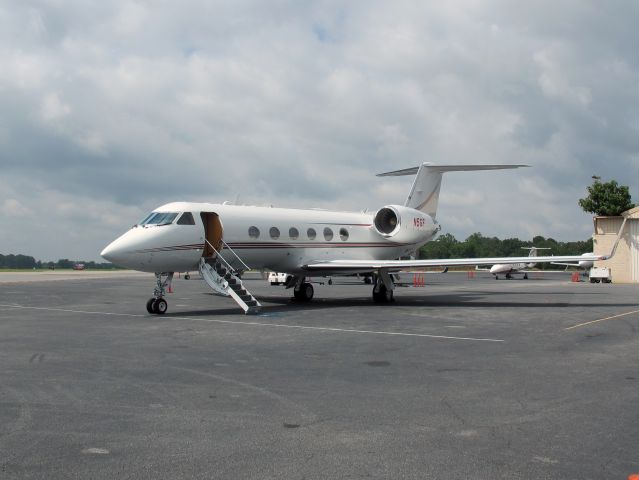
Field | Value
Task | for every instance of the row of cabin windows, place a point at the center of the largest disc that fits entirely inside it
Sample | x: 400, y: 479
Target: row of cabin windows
x: 294, y: 233
x: 166, y: 218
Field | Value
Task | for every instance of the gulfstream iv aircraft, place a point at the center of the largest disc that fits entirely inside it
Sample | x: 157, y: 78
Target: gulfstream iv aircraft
x: 223, y: 240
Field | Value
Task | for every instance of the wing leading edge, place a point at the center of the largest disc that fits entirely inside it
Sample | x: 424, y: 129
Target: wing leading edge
x: 396, y: 265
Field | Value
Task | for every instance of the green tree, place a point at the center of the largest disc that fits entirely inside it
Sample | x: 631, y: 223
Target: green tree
x: 607, y: 199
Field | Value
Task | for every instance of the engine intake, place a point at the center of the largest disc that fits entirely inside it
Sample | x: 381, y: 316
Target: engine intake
x: 386, y: 221
x: 404, y: 224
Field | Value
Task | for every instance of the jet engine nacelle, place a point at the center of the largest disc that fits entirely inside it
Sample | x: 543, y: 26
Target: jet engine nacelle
x: 404, y: 224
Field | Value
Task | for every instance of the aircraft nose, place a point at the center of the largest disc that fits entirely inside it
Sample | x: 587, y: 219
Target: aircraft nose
x: 119, y: 251
x: 112, y: 253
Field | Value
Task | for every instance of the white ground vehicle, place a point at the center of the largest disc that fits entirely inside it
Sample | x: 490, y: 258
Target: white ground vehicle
x: 600, y: 274
x: 277, y: 278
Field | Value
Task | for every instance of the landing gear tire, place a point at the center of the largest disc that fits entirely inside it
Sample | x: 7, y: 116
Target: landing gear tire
x: 160, y: 306
x: 150, y: 305
x: 525, y: 276
x: 187, y: 276
x: 382, y: 295
x: 508, y: 276
x: 304, y: 293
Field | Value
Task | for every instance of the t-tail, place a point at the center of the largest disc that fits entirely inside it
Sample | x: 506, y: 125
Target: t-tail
x: 533, y: 253
x: 424, y: 195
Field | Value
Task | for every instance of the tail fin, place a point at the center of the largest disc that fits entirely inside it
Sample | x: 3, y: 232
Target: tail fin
x: 533, y: 250
x: 533, y: 253
x: 424, y: 195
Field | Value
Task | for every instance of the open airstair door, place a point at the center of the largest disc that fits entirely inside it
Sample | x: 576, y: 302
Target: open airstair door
x: 213, y: 232
x: 217, y: 272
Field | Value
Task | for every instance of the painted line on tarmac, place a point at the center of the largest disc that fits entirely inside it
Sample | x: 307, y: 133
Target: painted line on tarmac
x: 343, y: 330
x: 66, y: 310
x: 601, y: 320
x: 260, y: 324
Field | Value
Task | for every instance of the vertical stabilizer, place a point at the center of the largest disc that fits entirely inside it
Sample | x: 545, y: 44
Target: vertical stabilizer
x: 533, y: 253
x: 533, y: 250
x: 424, y: 194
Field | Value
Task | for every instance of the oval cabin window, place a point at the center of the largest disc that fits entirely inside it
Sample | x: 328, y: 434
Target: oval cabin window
x: 328, y: 234
x: 311, y: 233
x: 274, y: 232
x: 294, y: 233
x: 254, y: 232
x: 343, y: 234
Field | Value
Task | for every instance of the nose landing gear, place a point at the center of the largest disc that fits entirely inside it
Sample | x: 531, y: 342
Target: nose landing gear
x: 157, y: 304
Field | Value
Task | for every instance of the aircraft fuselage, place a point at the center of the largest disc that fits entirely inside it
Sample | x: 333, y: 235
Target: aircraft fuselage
x: 278, y: 239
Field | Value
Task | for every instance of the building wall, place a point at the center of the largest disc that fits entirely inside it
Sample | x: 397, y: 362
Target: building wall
x: 624, y: 266
x: 634, y: 250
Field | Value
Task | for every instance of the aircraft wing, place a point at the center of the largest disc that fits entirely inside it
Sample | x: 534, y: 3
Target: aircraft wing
x: 345, y: 266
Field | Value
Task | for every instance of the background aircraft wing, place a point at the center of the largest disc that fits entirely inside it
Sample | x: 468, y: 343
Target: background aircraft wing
x: 396, y: 265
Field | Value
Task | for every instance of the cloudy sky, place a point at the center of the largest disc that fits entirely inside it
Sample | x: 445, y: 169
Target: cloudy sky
x: 111, y: 108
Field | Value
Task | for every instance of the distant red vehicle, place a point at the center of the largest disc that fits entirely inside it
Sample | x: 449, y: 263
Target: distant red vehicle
x: 78, y: 266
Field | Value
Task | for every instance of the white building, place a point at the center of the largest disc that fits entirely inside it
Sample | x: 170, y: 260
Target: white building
x: 624, y: 266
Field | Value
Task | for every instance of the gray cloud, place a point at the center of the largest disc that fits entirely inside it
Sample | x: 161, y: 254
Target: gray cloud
x: 112, y: 108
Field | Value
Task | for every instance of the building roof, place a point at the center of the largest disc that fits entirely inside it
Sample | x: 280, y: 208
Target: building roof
x: 632, y: 213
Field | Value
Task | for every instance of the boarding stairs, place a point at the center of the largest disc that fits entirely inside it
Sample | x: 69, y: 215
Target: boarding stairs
x: 225, y: 280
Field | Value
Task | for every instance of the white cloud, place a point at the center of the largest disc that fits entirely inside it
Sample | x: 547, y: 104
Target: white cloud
x: 53, y: 108
x: 13, y: 208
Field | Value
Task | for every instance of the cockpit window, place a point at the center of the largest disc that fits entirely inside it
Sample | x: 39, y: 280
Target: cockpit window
x: 159, y: 218
x: 186, y: 219
x: 147, y: 218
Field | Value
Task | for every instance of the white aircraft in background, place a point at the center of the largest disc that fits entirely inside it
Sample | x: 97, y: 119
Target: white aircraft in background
x: 509, y: 269
x: 222, y: 240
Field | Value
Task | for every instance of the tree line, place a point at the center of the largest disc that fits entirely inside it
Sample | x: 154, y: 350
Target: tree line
x: 476, y: 245
x: 28, y: 262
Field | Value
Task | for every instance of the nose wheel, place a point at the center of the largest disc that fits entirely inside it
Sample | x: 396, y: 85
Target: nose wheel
x: 157, y: 305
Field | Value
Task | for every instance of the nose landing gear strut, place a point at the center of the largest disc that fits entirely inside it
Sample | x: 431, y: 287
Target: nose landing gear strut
x: 157, y: 304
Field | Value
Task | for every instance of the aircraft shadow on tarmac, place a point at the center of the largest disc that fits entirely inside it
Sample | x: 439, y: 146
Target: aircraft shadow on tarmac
x: 279, y: 304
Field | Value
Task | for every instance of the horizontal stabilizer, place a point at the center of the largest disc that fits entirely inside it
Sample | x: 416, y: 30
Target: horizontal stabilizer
x: 424, y: 195
x: 449, y: 168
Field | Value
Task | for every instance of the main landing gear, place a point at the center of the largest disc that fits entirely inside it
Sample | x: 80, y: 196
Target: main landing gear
x: 303, y: 292
x: 383, y: 289
x: 157, y: 304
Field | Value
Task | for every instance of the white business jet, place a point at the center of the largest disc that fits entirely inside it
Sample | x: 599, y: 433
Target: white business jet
x: 224, y: 240
x: 509, y: 269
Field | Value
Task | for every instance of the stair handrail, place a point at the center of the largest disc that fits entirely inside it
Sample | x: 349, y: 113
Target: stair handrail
x: 227, y: 264
x: 235, y: 254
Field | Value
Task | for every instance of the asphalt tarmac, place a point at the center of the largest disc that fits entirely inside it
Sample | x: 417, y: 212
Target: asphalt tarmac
x: 462, y: 378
